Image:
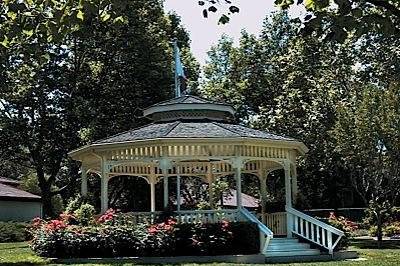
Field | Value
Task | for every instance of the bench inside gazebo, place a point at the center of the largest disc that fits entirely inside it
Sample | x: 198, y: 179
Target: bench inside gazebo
x: 192, y: 136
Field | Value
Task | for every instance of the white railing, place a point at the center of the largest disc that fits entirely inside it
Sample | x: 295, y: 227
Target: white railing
x: 265, y: 233
x: 313, y: 230
x: 142, y: 217
x: 207, y: 216
x: 190, y: 216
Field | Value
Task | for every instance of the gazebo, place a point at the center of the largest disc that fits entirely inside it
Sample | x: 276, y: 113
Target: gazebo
x: 192, y: 136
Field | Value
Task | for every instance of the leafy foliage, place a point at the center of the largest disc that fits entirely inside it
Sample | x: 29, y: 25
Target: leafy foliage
x: 332, y: 19
x: 75, y: 71
x: 14, y: 232
x: 297, y: 85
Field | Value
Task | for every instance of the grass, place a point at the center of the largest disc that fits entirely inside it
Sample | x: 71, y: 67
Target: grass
x: 18, y: 254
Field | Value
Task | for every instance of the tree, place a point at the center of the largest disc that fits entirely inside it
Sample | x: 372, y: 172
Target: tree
x: 287, y: 84
x: 368, y: 139
x: 333, y: 19
x: 294, y: 85
x: 74, y: 72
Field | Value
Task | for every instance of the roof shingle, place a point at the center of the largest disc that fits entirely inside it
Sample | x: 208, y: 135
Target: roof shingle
x: 184, y: 129
x: 7, y: 191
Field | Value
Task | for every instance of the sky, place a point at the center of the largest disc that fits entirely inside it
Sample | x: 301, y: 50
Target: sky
x: 206, y: 32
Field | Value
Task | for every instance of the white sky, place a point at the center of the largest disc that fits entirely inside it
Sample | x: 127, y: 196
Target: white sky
x: 206, y: 32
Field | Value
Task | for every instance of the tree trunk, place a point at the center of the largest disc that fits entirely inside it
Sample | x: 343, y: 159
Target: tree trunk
x: 379, y: 232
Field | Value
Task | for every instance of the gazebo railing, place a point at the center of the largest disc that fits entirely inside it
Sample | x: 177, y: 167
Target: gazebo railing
x: 207, y: 216
x: 188, y: 216
x: 313, y: 230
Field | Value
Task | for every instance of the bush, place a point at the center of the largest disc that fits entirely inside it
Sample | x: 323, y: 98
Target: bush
x: 345, y: 225
x: 14, y: 232
x: 392, y: 229
x: 84, y: 215
x: 114, y: 237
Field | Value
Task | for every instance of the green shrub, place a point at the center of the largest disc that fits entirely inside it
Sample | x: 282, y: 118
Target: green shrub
x: 14, y: 232
x: 373, y: 230
x: 392, y: 229
x: 84, y: 215
x: 74, y: 204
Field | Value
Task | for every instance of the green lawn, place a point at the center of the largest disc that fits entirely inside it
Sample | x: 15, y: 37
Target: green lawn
x: 19, y: 254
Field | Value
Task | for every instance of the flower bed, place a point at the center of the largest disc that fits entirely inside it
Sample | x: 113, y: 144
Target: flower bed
x: 109, y: 236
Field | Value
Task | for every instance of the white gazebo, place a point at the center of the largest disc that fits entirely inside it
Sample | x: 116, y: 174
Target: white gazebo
x: 192, y: 136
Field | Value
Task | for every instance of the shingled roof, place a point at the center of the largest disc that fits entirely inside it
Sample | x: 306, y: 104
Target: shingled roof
x: 12, y: 193
x: 187, y: 99
x: 189, y: 129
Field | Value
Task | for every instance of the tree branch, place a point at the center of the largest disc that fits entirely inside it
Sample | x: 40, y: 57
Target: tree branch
x: 388, y: 6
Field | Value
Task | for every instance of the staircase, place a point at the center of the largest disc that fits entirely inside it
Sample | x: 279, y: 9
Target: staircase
x: 286, y: 247
x: 307, y: 228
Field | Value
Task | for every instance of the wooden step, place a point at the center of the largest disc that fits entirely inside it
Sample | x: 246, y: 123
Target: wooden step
x: 292, y: 246
x: 292, y: 253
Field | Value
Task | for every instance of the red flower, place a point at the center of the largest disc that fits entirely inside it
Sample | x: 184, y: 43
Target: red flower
x: 36, y: 223
x: 107, y: 216
x: 55, y: 225
x: 153, y: 230
x: 224, y: 224
x: 171, y: 221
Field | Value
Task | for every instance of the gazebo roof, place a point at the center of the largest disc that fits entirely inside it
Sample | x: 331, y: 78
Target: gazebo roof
x: 187, y: 99
x: 189, y: 118
x: 181, y: 129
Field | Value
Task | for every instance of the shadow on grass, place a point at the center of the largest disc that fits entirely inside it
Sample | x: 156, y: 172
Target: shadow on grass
x: 373, y: 244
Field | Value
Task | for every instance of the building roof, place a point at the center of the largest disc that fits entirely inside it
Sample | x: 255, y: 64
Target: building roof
x: 187, y: 99
x: 191, y: 129
x: 9, y: 181
x: 230, y: 199
x: 12, y: 193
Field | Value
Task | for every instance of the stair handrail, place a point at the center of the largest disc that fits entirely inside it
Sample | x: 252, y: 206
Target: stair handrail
x: 265, y: 233
x: 315, y: 238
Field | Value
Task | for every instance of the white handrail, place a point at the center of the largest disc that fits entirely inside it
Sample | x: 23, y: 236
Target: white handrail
x: 265, y: 232
x: 314, y: 230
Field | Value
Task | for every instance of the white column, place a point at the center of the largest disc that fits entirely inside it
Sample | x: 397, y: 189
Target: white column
x: 288, y: 197
x: 263, y: 194
x: 178, y: 192
x: 238, y: 177
x: 152, y: 196
x: 84, y: 188
x: 166, y: 192
x: 295, y: 187
x: 104, y: 187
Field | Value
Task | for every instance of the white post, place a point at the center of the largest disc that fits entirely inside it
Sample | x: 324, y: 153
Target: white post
x: 263, y: 194
x: 238, y: 176
x: 166, y: 192
x: 84, y: 188
x: 295, y: 187
x: 104, y: 187
x: 288, y: 196
x: 152, y: 196
x: 178, y: 188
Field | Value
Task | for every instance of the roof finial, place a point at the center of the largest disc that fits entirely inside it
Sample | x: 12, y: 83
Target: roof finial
x: 180, y: 78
